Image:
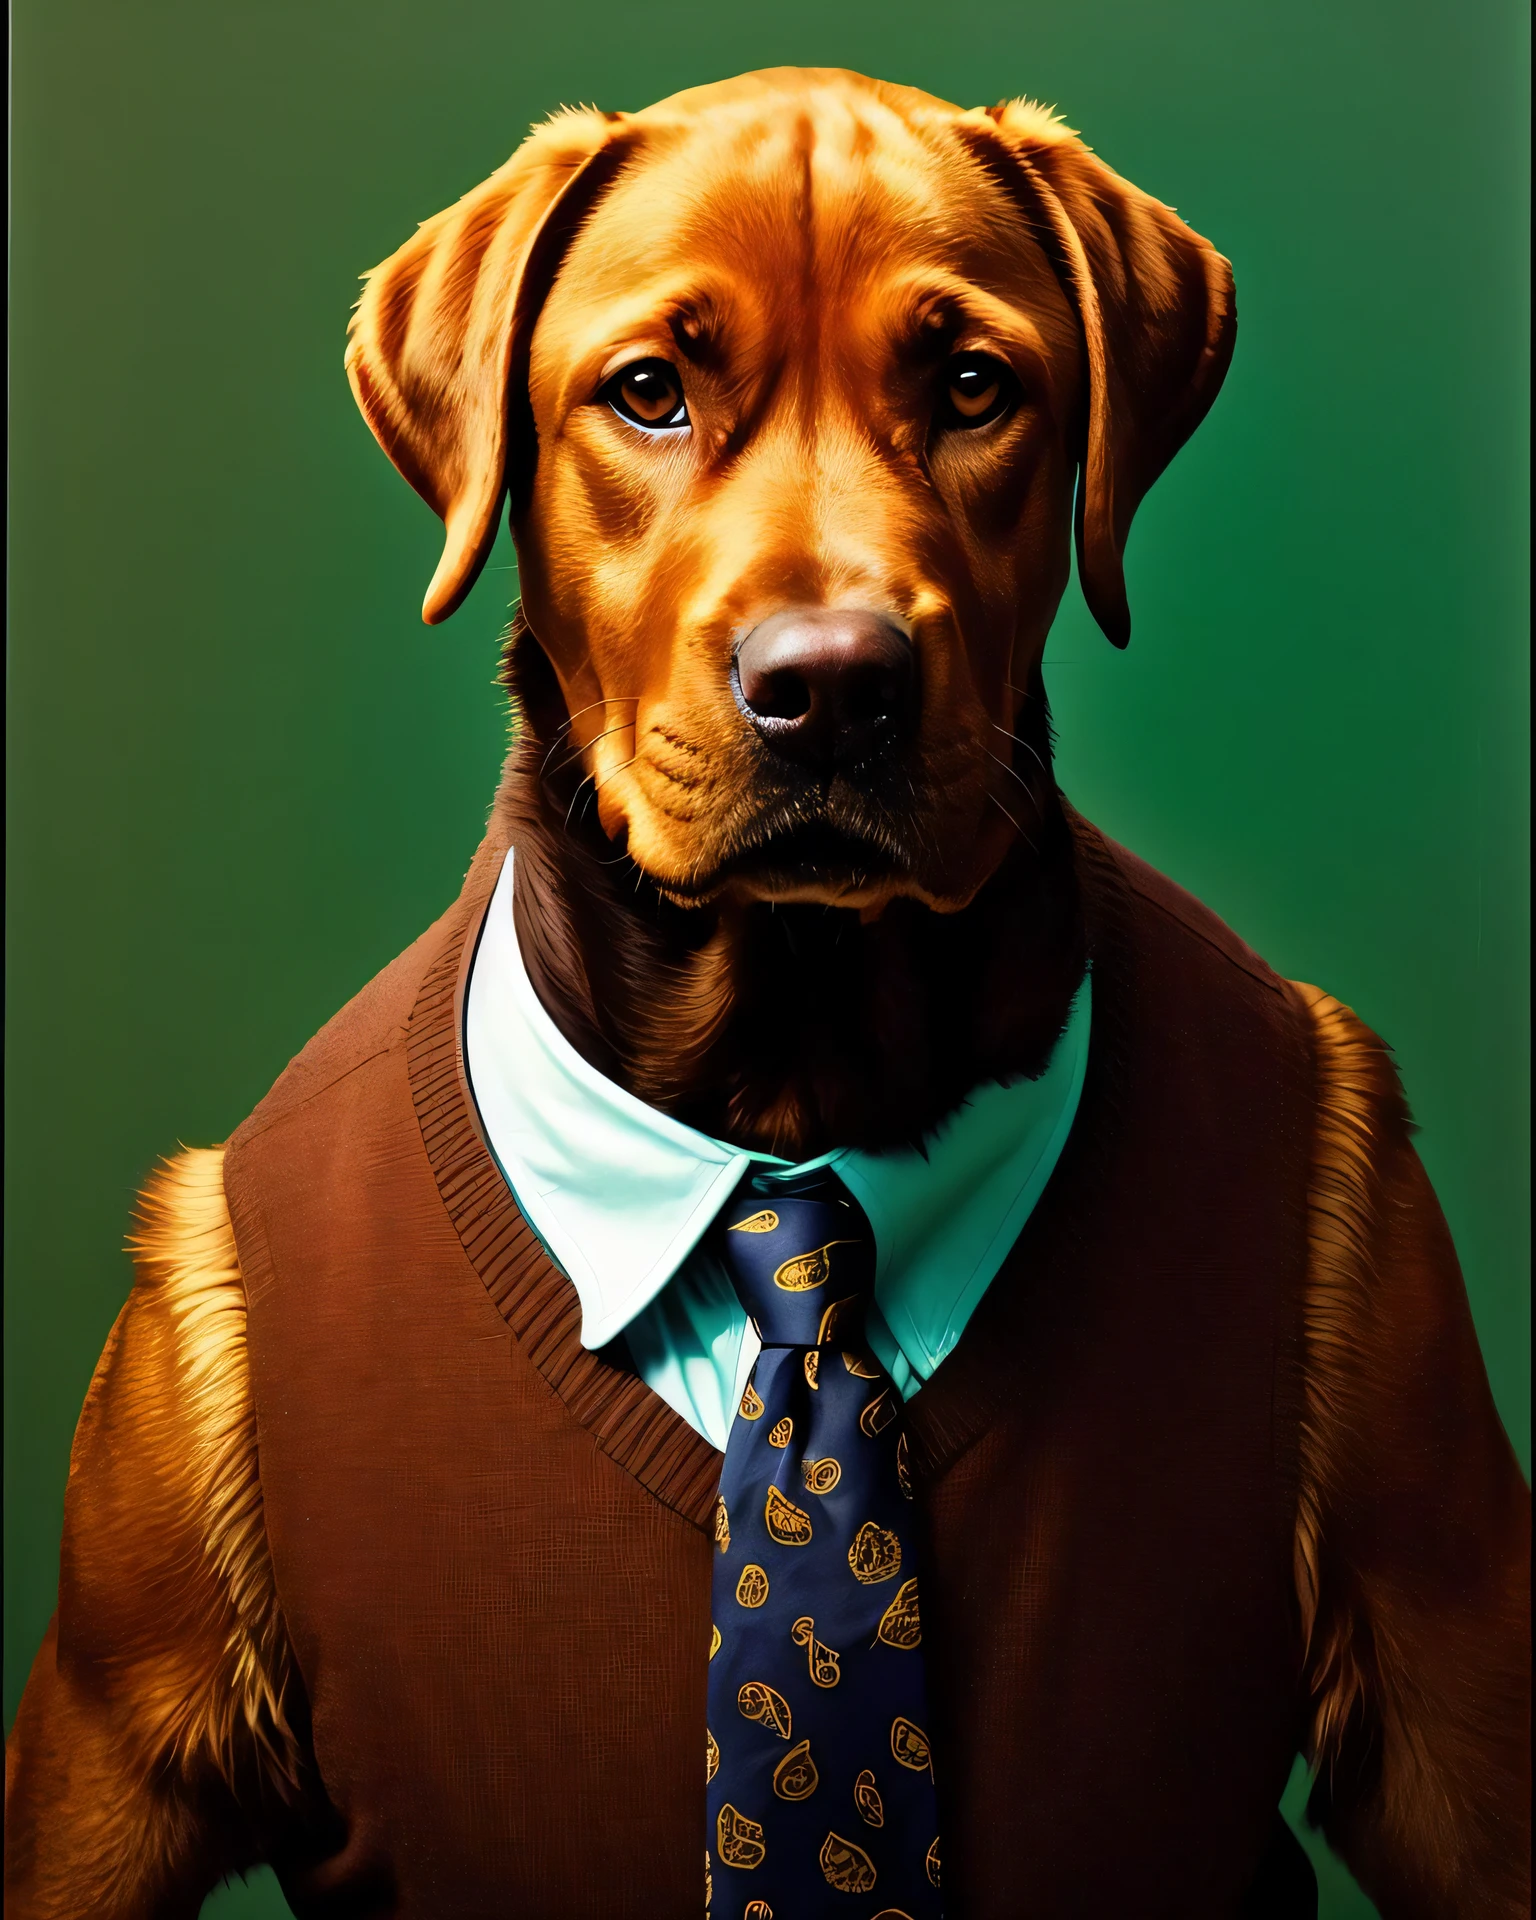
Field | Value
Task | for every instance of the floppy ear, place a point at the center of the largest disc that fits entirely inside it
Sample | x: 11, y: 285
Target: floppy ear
x: 1158, y: 314
x: 437, y: 351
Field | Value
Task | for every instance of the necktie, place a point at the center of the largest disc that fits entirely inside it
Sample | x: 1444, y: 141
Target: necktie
x: 821, y: 1798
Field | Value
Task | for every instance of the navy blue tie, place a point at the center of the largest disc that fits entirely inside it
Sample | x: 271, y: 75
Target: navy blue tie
x: 821, y: 1798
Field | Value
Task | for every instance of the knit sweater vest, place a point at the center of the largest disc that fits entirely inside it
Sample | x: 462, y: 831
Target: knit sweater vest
x: 492, y: 1548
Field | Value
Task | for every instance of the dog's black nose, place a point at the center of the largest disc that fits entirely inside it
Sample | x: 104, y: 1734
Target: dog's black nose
x: 827, y: 686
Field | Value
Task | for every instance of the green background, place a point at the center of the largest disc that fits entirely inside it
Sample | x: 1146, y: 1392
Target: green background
x: 242, y: 775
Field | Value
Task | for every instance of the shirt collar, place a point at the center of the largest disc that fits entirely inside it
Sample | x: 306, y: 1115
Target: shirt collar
x: 620, y: 1193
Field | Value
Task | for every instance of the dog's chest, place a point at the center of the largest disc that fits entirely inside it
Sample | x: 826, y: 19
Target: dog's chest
x: 495, y: 1564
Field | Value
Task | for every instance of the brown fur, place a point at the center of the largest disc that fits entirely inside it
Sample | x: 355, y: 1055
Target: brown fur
x: 807, y: 247
x: 131, y: 1735
x: 1413, y: 1525
x: 1357, y: 1089
x: 789, y: 1028
x: 158, y: 1707
x: 852, y: 1002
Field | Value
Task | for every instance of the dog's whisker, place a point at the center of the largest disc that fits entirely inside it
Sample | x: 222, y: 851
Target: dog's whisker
x: 620, y: 768
x: 595, y: 784
x: 608, y: 700
x: 1012, y: 774
x: 571, y: 719
x: 571, y: 759
x: 1021, y: 741
x: 620, y: 727
x: 1013, y: 823
x: 587, y: 780
x: 584, y: 781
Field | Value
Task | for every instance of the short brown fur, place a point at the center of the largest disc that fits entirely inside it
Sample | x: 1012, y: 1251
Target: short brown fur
x: 164, y: 1713
x: 1412, y: 1554
x: 852, y: 1005
x: 159, y: 1704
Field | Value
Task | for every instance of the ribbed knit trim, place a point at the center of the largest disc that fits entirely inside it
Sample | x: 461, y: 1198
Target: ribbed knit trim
x: 632, y: 1425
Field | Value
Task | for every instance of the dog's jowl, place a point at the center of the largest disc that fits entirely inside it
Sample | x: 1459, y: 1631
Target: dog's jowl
x: 826, y: 1342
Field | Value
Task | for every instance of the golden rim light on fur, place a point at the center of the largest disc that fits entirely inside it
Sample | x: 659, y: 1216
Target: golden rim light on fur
x: 184, y: 1250
x: 218, y: 1700
x: 1355, y: 1080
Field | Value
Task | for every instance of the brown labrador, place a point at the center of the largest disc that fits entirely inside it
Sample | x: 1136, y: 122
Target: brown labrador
x: 812, y: 365
x: 795, y: 385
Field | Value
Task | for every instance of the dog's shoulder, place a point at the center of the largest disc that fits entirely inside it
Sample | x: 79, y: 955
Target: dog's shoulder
x: 168, y: 1615
x: 1412, y: 1519
x: 376, y: 1020
x: 1412, y: 1537
x: 1183, y: 913
x: 1354, y: 1073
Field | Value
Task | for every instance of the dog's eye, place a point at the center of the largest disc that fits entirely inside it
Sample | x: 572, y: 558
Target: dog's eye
x: 977, y: 389
x: 648, y: 394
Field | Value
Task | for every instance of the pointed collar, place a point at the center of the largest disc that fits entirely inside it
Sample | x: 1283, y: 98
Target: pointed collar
x: 620, y: 1192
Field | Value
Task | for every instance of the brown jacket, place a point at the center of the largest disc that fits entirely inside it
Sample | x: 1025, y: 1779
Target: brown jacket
x: 1213, y: 1476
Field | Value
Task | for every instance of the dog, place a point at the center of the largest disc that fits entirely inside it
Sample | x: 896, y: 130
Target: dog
x: 800, y: 389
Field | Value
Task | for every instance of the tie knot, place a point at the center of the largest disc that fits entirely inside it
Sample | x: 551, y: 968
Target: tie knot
x: 801, y: 1257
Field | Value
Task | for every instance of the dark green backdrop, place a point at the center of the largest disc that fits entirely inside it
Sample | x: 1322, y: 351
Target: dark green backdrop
x: 243, y: 776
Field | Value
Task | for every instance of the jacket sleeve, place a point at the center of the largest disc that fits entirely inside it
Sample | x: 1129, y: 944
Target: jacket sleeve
x: 1413, y: 1538
x: 158, y: 1708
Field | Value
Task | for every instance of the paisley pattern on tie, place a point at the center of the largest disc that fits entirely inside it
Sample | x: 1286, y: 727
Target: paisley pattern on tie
x: 820, y: 1775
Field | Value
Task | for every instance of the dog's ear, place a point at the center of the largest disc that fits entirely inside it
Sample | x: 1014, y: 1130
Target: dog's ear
x: 437, y: 354
x: 1158, y: 315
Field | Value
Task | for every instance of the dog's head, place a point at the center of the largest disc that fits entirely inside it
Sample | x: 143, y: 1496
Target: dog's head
x: 790, y: 381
